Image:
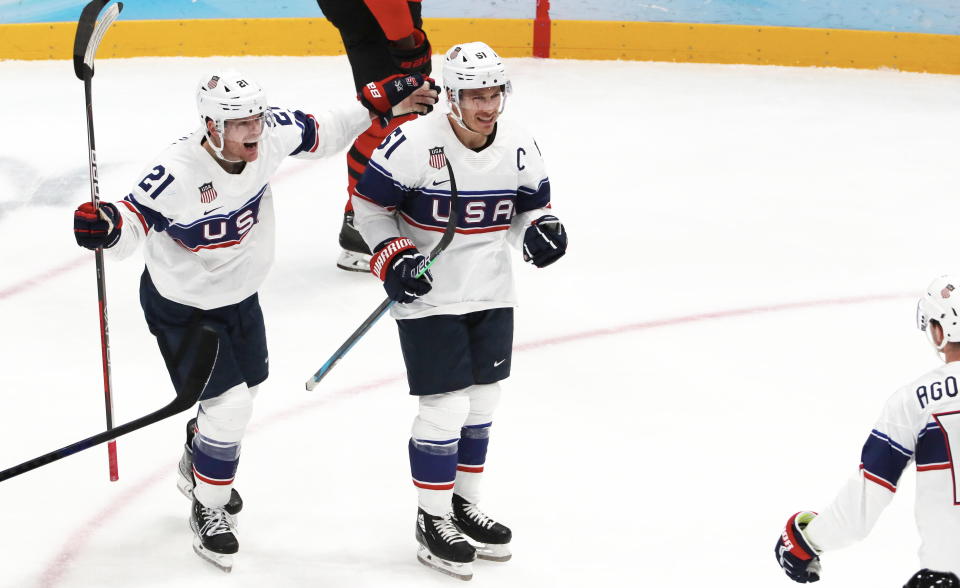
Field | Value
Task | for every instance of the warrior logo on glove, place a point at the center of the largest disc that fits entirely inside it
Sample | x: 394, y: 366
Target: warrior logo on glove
x: 402, y: 268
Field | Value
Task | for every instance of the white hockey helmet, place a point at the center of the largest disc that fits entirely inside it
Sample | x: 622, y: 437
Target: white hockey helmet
x: 469, y: 66
x: 941, y: 303
x: 226, y: 95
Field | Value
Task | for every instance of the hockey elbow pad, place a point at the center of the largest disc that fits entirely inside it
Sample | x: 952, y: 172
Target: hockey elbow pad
x: 413, y: 55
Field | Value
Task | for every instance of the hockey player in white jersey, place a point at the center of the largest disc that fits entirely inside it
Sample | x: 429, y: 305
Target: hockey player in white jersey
x: 203, y: 210
x: 456, y: 321
x: 920, y: 423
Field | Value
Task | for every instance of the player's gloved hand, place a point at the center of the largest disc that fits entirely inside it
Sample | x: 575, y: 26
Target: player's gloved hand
x: 794, y: 553
x: 397, y: 263
x: 545, y: 241
x: 412, y: 54
x: 398, y: 96
x: 94, y: 229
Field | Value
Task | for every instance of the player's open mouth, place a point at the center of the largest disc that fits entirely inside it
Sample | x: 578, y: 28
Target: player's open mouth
x: 250, y: 145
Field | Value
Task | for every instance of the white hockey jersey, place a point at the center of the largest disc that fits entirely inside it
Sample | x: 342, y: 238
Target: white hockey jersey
x: 920, y: 423
x: 405, y: 192
x: 210, y: 234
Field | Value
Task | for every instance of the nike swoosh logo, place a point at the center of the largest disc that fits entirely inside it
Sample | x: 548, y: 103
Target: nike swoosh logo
x: 436, y: 183
x: 211, y: 210
x: 497, y: 363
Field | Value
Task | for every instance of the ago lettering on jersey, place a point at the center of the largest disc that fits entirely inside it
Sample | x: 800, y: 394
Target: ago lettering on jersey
x: 936, y: 391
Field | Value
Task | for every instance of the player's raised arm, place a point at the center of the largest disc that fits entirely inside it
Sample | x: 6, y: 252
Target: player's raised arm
x: 312, y: 136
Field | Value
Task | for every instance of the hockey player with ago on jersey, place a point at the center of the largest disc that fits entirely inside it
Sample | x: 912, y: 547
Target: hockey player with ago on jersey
x: 456, y: 321
x: 204, y: 212
x: 921, y: 423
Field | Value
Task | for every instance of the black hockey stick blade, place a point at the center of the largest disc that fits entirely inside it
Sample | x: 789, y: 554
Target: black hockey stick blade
x: 381, y: 310
x: 89, y: 34
x: 204, y: 358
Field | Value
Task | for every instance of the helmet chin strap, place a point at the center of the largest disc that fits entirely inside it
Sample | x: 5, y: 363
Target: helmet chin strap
x: 218, y: 151
x: 938, y: 349
x: 458, y: 114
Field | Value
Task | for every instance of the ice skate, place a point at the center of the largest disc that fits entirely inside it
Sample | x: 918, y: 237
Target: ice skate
x: 186, y: 481
x: 355, y: 256
x: 490, y: 538
x: 443, y: 547
x: 215, y: 538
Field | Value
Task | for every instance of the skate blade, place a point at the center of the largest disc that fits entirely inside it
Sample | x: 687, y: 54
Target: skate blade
x: 222, y: 561
x: 493, y: 552
x: 460, y: 571
x: 353, y: 262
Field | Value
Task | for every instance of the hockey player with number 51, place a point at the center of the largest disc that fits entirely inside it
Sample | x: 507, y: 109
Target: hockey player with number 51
x: 456, y: 320
x: 204, y: 212
x: 920, y: 423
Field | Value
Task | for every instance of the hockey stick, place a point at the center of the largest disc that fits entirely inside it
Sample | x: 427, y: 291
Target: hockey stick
x: 89, y: 34
x: 204, y: 358
x: 448, y: 233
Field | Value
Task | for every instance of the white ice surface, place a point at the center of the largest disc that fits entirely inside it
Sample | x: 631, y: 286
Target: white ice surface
x: 634, y: 450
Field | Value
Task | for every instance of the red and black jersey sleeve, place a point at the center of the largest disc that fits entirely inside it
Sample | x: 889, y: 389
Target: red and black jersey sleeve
x: 394, y: 17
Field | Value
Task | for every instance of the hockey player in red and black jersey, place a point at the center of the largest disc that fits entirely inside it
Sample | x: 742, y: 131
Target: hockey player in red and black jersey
x: 387, y: 49
x: 920, y: 423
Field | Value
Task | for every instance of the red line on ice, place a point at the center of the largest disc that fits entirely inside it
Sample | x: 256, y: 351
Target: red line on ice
x: 39, y: 279
x: 57, y: 568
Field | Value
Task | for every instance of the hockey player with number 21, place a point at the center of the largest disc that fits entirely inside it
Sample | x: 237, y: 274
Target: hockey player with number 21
x: 920, y: 423
x: 456, y: 320
x: 204, y: 212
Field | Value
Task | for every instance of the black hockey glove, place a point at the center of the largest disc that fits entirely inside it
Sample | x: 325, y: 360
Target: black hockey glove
x: 930, y: 579
x: 795, y: 555
x: 412, y: 54
x: 397, y: 96
x: 398, y: 264
x: 94, y: 230
x: 545, y: 241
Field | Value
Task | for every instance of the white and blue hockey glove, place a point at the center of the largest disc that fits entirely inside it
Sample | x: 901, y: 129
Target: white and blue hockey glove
x: 794, y: 553
x: 398, y: 263
x: 544, y: 241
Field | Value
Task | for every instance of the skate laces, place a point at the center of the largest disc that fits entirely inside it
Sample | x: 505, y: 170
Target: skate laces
x: 447, y: 530
x: 215, y: 521
x: 477, y: 515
